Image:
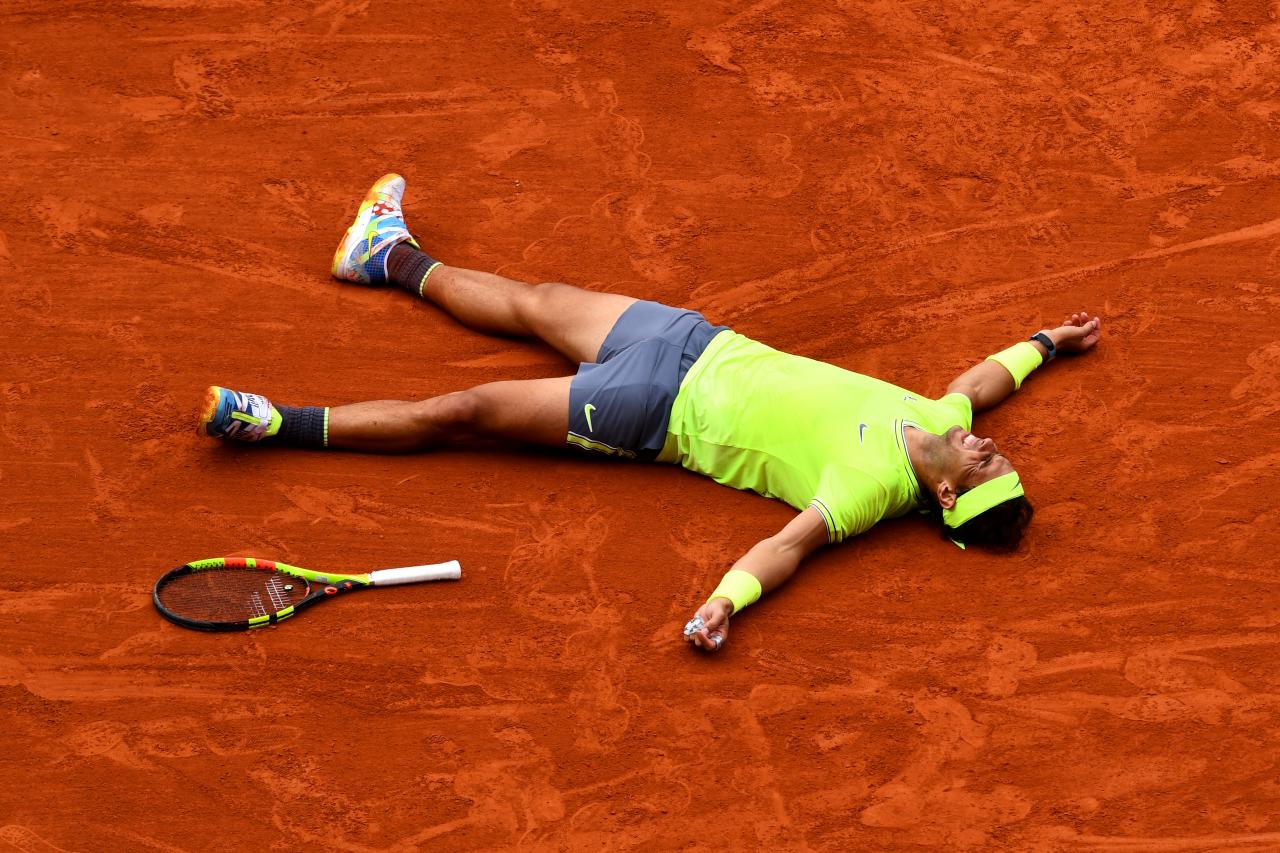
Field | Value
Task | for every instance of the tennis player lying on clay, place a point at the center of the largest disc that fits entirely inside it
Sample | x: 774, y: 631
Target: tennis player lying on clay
x: 661, y: 383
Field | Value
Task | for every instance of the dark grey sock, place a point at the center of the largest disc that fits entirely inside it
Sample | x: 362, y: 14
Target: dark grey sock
x: 406, y: 267
x: 303, y: 426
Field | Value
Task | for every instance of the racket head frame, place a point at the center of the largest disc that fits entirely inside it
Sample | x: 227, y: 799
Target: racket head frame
x: 319, y: 585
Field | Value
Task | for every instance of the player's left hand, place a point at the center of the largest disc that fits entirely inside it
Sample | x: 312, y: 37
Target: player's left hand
x: 715, y: 630
x: 1078, y: 333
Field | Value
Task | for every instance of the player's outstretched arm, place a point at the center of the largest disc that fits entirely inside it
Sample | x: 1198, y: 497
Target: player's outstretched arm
x: 764, y: 568
x: 988, y: 383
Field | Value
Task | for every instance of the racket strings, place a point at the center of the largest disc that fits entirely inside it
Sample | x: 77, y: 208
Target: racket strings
x: 231, y: 594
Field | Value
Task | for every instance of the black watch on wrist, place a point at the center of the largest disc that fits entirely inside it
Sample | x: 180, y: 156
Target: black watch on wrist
x: 1046, y: 342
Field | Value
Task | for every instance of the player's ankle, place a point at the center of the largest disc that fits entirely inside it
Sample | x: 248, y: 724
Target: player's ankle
x: 408, y: 267
x: 303, y: 426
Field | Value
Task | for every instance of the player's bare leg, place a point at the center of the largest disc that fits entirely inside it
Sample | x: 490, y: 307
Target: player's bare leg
x: 569, y: 319
x: 531, y: 411
x: 534, y: 411
x: 378, y: 249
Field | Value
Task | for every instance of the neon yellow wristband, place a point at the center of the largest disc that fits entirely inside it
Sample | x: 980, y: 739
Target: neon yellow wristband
x: 1019, y: 359
x: 742, y: 588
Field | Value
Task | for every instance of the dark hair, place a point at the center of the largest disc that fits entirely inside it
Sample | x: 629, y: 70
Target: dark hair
x: 999, y: 528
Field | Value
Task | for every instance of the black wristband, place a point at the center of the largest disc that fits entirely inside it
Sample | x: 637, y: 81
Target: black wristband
x: 1046, y: 342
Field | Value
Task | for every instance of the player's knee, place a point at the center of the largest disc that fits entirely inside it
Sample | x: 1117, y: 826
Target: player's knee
x: 460, y: 411
x: 546, y: 299
x: 549, y: 291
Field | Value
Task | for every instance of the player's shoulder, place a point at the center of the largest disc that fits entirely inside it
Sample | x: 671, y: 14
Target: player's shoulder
x: 851, y: 500
x: 958, y: 403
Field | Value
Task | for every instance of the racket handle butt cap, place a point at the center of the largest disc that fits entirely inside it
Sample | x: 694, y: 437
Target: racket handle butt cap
x: 449, y: 571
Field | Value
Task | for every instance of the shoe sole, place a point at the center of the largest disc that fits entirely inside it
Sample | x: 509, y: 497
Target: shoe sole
x: 358, y: 227
x: 212, y: 396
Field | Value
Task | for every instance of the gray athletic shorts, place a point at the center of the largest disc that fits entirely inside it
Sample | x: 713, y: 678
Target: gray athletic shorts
x: 621, y: 404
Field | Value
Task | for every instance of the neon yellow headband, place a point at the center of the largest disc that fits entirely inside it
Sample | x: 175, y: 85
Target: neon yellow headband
x: 979, y: 499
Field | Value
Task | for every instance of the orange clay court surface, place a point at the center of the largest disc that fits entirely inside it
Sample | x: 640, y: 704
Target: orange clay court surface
x: 899, y: 189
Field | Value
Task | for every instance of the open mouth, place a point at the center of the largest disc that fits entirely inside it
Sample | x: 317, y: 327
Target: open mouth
x: 970, y: 441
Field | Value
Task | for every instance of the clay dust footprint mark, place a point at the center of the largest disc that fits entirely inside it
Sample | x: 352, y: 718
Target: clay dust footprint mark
x: 703, y: 551
x: 65, y: 220
x: 1163, y: 671
x: 775, y: 826
x: 21, y: 431
x: 34, y: 300
x: 671, y: 634
x: 107, y: 506
x: 1008, y: 659
x: 560, y: 551
x: 928, y: 800
x: 990, y: 70
x: 185, y: 737
x: 1249, y: 297
x: 1260, y: 390
x: 162, y: 214
x: 196, y: 80
x: 249, y: 539
x: 105, y: 739
x: 1235, y: 546
x: 22, y: 839
x: 150, y: 108
x: 293, y: 195
x: 716, y: 48
x: 623, y: 136
x: 519, y: 133
x: 140, y: 646
x: 717, y: 44
x: 770, y: 700
x: 516, y: 794
x: 797, y: 667
x: 339, y: 507
x: 160, y: 740
x: 298, y: 787
x: 780, y: 89
x: 1195, y: 683
x: 603, y: 709
x: 776, y: 148
x: 247, y: 737
x: 340, y: 11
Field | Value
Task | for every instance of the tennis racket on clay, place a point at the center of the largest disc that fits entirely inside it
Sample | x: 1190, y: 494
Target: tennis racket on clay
x: 238, y: 593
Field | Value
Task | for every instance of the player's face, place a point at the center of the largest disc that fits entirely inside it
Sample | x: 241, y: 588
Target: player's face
x: 974, y: 460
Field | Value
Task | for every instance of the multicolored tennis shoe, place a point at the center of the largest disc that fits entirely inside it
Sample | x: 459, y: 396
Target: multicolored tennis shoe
x: 236, y: 415
x: 362, y: 254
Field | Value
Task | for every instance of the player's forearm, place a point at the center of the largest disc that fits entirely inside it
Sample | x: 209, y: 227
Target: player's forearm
x: 988, y: 384
x: 770, y: 562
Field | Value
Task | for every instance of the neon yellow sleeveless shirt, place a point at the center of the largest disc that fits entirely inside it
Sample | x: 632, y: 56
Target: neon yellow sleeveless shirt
x: 803, y: 431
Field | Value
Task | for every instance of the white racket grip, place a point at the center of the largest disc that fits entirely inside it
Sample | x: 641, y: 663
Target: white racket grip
x: 449, y: 571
